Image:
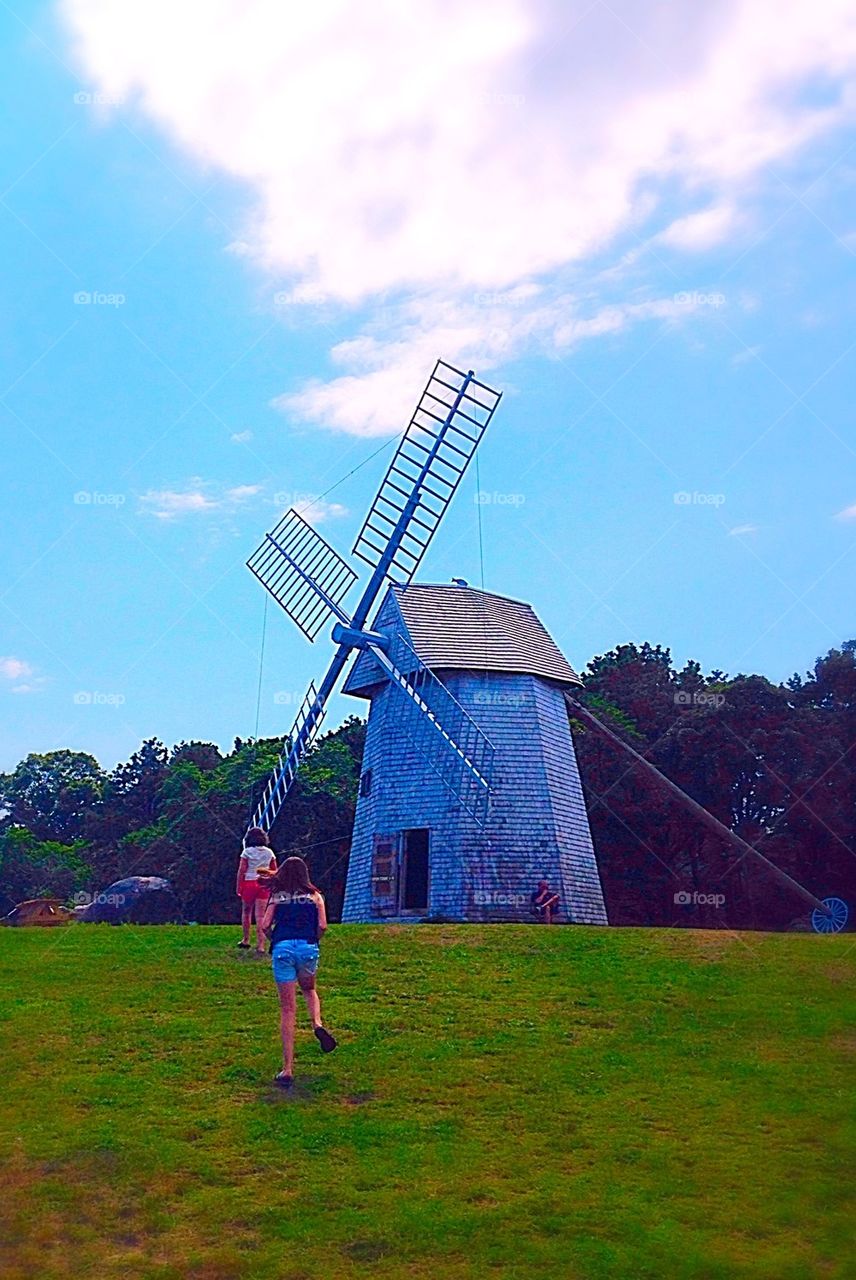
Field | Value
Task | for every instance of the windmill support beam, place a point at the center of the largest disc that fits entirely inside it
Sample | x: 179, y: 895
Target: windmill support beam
x: 358, y: 639
x: 707, y: 819
x: 402, y: 681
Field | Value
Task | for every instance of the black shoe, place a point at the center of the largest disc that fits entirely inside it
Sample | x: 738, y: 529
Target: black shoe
x: 283, y: 1081
x: 326, y: 1041
x: 243, y: 946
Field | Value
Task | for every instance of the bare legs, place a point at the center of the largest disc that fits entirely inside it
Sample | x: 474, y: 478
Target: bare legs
x: 286, y: 1023
x: 549, y: 907
x: 310, y: 995
x: 246, y: 920
x: 287, y: 1008
x: 261, y: 908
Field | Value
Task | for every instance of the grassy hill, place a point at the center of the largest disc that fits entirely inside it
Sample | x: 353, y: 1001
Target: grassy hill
x: 506, y: 1101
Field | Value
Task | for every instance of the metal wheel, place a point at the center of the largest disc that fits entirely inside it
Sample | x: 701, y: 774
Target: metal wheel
x: 835, y: 921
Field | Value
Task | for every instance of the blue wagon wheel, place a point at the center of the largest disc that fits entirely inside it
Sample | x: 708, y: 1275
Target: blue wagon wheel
x: 835, y: 921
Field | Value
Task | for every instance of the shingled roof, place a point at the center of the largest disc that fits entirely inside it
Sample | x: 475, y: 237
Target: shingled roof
x: 461, y: 628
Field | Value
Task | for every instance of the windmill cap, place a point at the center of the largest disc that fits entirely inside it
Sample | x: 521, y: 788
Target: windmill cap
x: 451, y: 629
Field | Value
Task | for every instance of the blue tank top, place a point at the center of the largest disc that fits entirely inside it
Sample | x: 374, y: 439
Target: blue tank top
x: 296, y: 917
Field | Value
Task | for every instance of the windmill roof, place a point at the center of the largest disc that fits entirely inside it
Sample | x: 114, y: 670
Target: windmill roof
x: 463, y: 628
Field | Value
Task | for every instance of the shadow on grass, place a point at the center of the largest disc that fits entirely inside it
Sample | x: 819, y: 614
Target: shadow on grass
x: 314, y: 1088
x: 306, y: 1088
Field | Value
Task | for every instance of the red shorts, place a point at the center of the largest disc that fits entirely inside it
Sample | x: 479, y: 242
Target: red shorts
x: 252, y: 890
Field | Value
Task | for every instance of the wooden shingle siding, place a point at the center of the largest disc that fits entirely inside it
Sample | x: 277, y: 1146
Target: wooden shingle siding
x: 537, y: 827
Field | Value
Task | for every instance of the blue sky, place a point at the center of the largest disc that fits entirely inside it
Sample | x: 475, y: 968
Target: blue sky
x: 276, y: 243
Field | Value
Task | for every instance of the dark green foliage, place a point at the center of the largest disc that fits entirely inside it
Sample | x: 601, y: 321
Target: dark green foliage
x: 32, y: 868
x: 53, y: 794
x: 180, y: 814
x: 773, y: 763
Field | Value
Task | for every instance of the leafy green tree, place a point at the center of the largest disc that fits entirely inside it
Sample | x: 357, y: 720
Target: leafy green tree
x: 133, y: 788
x: 52, y: 794
x: 772, y: 763
x: 205, y: 755
x: 33, y: 868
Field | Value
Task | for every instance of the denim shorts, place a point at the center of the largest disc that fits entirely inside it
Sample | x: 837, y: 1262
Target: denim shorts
x: 293, y: 956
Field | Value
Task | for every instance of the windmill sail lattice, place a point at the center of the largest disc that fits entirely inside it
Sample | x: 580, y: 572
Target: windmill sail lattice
x: 310, y: 580
x: 442, y: 437
x: 302, y: 572
x: 298, y: 742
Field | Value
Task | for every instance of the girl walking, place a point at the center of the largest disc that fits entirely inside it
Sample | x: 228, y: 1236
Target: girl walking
x: 296, y: 918
x: 256, y: 856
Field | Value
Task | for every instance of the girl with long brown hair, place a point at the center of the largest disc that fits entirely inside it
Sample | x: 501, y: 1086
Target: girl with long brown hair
x: 256, y: 856
x: 295, y: 919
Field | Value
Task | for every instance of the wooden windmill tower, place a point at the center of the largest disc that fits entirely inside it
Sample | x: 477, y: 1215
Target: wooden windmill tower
x: 470, y: 791
x: 413, y: 854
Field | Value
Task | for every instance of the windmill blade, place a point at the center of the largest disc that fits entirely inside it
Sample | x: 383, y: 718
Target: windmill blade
x: 303, y: 573
x: 448, y: 738
x: 444, y: 432
x: 303, y: 731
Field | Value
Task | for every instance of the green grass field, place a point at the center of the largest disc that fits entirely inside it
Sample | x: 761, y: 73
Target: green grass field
x: 506, y: 1101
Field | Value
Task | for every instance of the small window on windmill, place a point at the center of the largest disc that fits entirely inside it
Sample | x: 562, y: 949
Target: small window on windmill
x: 385, y: 873
x: 366, y: 783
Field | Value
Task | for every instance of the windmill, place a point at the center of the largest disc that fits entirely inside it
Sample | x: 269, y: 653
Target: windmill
x: 470, y: 790
x: 311, y: 581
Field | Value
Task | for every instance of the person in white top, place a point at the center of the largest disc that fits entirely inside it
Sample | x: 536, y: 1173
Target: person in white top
x: 253, y: 893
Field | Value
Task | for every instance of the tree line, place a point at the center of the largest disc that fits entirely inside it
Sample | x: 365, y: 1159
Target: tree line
x: 774, y: 763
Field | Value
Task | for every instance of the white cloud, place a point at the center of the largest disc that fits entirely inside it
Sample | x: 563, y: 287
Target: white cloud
x: 319, y: 511
x: 740, y: 530
x: 242, y: 492
x: 746, y: 355
x: 398, y: 155
x: 14, y: 668
x: 385, y: 374
x: 700, y: 230
x: 167, y: 504
x: 849, y: 513
x: 198, y: 498
x: 17, y: 669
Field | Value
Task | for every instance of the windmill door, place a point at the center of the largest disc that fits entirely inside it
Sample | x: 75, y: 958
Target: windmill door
x: 414, y: 870
x: 385, y: 856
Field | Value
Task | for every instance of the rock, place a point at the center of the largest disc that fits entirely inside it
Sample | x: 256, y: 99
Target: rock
x: 134, y: 900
